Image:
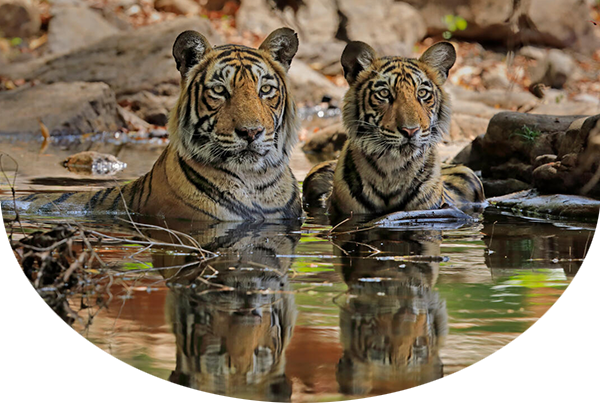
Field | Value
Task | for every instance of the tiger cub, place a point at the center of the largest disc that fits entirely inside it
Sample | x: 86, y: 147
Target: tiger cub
x: 395, y: 113
x: 231, y: 135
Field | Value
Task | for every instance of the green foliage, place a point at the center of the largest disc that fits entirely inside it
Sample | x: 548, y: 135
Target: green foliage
x: 526, y: 133
x: 16, y: 41
x: 453, y: 23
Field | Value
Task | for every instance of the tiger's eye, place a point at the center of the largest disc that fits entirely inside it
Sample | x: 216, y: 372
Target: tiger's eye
x: 265, y: 89
x: 218, y: 89
x: 422, y: 93
x: 384, y: 93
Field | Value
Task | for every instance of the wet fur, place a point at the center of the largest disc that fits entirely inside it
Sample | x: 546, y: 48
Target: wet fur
x: 208, y: 171
x: 381, y: 169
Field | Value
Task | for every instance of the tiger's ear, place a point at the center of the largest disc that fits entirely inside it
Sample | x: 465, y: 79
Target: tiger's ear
x: 188, y: 50
x: 441, y: 57
x: 356, y: 57
x: 282, y: 45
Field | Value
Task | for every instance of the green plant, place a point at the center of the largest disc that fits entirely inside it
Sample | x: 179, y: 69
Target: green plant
x: 528, y: 134
x: 453, y: 23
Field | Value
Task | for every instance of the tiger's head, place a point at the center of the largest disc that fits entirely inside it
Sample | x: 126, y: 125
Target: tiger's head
x: 234, y: 109
x: 396, y: 105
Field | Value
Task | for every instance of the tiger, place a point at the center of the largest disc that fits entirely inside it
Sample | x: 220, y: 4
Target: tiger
x: 393, y: 322
x: 231, y: 134
x: 395, y: 113
x: 233, y: 316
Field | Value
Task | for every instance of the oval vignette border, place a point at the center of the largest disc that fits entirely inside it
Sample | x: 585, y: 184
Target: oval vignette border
x: 555, y: 359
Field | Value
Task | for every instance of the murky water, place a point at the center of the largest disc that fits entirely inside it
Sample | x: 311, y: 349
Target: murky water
x: 296, y: 311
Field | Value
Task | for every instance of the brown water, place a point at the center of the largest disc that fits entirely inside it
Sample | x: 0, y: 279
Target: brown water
x: 291, y: 311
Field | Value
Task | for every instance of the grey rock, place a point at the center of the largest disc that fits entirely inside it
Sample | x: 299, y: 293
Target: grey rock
x: 74, y: 27
x: 556, y: 23
x: 73, y: 107
x: 531, y: 202
x: 329, y: 140
x: 473, y: 108
x: 391, y: 27
x: 129, y: 62
x: 500, y: 187
x: 544, y: 159
x: 323, y: 57
x: 467, y: 127
x: 308, y: 85
x: 154, y: 109
x: 495, y: 98
x: 19, y: 19
x: 554, y: 69
x: 316, y: 21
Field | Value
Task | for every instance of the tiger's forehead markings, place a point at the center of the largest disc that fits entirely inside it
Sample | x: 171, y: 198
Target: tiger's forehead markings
x: 236, y: 62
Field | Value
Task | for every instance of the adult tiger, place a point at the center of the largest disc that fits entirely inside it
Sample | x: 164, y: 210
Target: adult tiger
x: 231, y: 134
x: 395, y: 113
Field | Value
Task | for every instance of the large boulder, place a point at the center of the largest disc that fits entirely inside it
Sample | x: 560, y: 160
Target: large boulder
x: 555, y: 154
x: 66, y: 107
x: 76, y: 26
x: 129, y: 62
x: 556, y: 23
x: 316, y: 20
x: 19, y: 19
x: 391, y: 27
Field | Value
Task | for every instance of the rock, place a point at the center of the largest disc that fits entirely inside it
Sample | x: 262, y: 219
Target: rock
x: 73, y: 27
x: 467, y: 127
x: 129, y: 62
x: 496, y: 78
x: 308, y: 85
x: 565, y: 107
x: 529, y: 201
x: 532, y: 52
x: 544, y: 159
x: 500, y: 187
x: 93, y: 163
x: 523, y: 136
x: 327, y: 141
x: 316, y: 20
x: 576, y: 136
x: 152, y: 108
x: 495, y: 98
x: 555, y: 23
x: 560, y: 23
x: 391, y: 27
x: 181, y: 7
x: 472, y: 155
x: 19, y: 18
x: 133, y: 122
x: 73, y: 107
x: 323, y: 57
x: 473, y: 109
x: 513, y: 168
x: 554, y: 69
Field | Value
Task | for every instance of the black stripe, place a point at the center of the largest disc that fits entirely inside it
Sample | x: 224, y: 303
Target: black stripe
x: 92, y: 202
x: 207, y: 188
x: 56, y: 202
x: 354, y: 182
x: 261, y: 188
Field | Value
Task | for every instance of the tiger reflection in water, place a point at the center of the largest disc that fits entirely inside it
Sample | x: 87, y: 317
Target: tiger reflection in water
x: 233, y: 342
x: 392, y: 322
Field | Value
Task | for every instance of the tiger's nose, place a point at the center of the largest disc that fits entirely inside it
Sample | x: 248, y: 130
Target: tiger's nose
x: 249, y: 133
x: 408, y: 131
